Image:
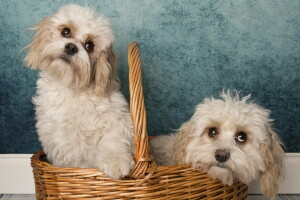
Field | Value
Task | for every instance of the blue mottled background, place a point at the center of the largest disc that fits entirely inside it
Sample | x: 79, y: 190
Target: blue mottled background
x: 191, y: 49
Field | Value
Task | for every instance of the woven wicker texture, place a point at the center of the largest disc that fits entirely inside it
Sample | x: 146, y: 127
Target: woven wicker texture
x: 146, y: 181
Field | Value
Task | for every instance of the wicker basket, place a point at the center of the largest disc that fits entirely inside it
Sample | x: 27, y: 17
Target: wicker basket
x: 146, y: 181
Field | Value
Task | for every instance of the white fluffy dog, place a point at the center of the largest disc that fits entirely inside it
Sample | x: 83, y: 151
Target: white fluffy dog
x: 230, y: 139
x: 82, y: 118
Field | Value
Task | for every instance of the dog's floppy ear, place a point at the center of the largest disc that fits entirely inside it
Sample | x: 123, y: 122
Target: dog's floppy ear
x: 32, y: 58
x: 182, y: 140
x: 105, y: 78
x: 273, y: 156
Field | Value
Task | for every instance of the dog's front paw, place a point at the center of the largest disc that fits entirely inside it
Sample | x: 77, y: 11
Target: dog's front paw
x: 221, y: 174
x: 116, y: 166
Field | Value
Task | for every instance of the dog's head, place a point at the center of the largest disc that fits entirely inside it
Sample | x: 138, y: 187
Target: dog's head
x: 233, y: 141
x: 75, y: 46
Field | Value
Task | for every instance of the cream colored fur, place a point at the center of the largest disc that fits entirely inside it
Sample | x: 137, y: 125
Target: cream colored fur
x: 82, y: 118
x: 259, y: 157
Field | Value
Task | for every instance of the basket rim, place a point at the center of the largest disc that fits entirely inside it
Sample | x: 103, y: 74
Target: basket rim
x: 36, y: 158
x: 46, y: 166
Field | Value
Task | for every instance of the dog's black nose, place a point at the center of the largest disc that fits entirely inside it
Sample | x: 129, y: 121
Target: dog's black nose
x: 71, y: 49
x: 222, y: 155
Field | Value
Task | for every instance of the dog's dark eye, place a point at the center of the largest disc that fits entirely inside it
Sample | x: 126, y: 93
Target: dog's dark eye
x: 241, y: 137
x: 89, y: 46
x: 213, y: 132
x: 66, y: 32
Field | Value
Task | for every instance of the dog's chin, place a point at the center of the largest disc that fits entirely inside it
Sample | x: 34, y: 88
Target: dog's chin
x: 71, y: 71
x: 67, y: 59
x: 221, y: 165
x: 60, y: 69
x: 222, y: 173
x: 50, y: 62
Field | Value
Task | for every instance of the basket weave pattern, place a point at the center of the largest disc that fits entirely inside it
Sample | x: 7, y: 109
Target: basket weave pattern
x: 146, y: 181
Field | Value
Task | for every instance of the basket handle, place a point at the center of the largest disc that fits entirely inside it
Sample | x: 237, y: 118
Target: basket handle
x: 138, y: 114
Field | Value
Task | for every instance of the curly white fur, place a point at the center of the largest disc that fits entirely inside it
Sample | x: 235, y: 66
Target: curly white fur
x: 259, y: 156
x: 82, y: 118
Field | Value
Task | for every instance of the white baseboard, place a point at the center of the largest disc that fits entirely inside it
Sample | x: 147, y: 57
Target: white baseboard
x: 16, y: 175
